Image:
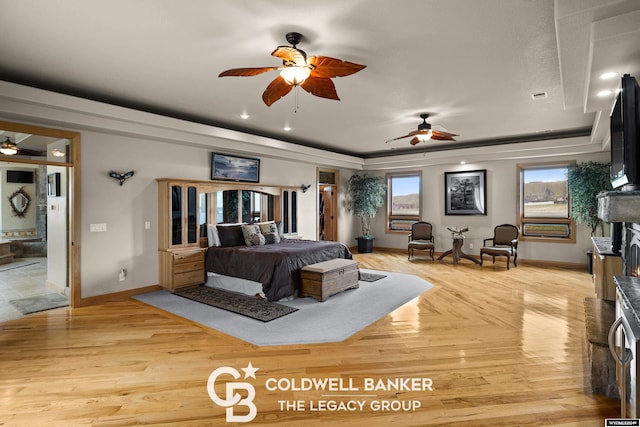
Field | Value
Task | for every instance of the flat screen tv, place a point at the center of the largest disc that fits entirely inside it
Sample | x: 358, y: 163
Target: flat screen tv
x: 20, y: 176
x: 625, y: 121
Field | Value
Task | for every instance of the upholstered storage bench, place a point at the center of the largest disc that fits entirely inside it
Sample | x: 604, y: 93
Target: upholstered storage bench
x: 327, y: 278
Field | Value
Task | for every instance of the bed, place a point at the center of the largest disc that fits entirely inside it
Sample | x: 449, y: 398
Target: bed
x: 276, y: 266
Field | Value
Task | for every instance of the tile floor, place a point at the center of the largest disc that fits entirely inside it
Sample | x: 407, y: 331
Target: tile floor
x: 25, y: 277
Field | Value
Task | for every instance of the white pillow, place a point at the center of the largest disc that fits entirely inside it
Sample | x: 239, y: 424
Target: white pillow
x: 212, y: 235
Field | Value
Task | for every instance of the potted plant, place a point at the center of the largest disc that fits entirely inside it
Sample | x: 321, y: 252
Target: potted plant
x: 365, y: 196
x: 585, y: 181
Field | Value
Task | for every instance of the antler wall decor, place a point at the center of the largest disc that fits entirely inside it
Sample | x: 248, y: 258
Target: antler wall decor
x: 121, y: 177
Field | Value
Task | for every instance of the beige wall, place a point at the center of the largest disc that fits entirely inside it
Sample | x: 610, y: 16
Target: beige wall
x: 119, y: 139
x: 57, y: 250
x: 125, y: 209
x: 501, y: 208
x: 12, y: 224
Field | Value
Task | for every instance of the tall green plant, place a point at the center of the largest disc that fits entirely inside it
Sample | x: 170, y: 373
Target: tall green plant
x: 365, y: 196
x: 585, y: 181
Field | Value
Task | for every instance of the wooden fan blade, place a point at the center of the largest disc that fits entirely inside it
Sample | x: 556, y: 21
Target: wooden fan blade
x: 28, y: 152
x: 327, y: 67
x: 276, y: 90
x: 290, y: 55
x: 246, y: 72
x: 442, y: 136
x: 415, y: 141
x: 322, y: 87
x: 412, y: 133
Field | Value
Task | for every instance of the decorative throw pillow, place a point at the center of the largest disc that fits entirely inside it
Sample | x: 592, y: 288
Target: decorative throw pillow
x: 248, y: 230
x: 268, y: 227
x: 257, y: 239
x: 270, y: 238
x: 230, y: 235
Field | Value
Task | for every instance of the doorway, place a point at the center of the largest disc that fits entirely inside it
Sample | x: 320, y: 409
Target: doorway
x: 36, y: 218
x: 328, y: 204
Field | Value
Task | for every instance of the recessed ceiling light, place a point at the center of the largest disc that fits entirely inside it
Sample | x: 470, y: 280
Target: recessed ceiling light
x: 462, y: 162
x: 604, y: 93
x: 608, y: 75
x: 287, y: 128
x: 244, y: 116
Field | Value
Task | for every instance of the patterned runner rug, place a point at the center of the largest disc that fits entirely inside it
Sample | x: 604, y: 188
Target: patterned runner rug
x: 249, y: 306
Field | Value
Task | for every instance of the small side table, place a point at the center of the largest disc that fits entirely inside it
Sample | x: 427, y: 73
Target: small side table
x: 456, y: 250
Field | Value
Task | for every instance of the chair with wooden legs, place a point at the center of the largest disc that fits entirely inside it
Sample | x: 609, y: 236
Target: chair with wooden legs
x: 503, y: 243
x: 421, y: 238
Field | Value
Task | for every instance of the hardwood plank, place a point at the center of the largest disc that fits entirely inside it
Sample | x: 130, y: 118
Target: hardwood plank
x: 502, y: 347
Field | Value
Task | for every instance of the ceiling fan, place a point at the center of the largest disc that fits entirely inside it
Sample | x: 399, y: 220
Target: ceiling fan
x: 312, y: 74
x: 11, y: 148
x: 425, y: 132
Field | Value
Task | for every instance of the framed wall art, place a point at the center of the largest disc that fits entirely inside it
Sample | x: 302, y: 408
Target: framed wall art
x: 234, y: 168
x: 465, y: 193
x: 53, y: 184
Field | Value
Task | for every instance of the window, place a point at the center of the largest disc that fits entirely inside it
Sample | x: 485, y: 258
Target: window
x: 404, y: 197
x: 235, y: 206
x: 290, y: 212
x: 544, y: 206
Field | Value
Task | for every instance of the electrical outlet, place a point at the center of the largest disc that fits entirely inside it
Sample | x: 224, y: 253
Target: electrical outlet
x: 122, y: 275
x: 470, y: 245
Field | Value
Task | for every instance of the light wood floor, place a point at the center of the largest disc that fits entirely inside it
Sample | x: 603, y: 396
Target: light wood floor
x: 503, y: 348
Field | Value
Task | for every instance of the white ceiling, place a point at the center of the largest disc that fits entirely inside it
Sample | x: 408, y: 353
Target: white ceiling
x: 472, y: 64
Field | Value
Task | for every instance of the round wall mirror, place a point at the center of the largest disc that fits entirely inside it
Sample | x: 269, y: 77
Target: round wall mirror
x: 19, y: 202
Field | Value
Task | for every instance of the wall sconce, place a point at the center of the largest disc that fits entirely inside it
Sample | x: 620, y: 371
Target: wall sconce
x: 304, y: 187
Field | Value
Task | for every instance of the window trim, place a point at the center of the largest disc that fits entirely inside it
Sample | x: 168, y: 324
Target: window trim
x: 520, y: 168
x: 388, y: 177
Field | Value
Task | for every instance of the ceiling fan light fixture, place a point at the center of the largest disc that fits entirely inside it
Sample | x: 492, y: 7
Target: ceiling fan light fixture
x: 8, y: 148
x: 425, y: 136
x: 295, y: 75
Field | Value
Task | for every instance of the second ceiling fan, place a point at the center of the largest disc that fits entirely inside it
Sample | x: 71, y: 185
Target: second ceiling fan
x: 312, y: 74
x: 425, y: 132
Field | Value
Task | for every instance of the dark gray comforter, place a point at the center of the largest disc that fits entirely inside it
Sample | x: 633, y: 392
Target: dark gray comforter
x: 276, y: 266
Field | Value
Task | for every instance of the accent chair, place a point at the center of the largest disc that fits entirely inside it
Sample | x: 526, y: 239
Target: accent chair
x: 421, y: 238
x: 503, y: 243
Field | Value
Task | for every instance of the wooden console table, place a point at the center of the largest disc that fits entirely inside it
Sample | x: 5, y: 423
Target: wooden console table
x: 456, y: 250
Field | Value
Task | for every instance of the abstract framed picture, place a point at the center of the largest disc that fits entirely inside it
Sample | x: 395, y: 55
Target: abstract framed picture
x: 234, y: 168
x: 465, y: 193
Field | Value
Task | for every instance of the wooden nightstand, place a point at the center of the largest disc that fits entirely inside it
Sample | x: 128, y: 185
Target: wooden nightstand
x: 182, y: 268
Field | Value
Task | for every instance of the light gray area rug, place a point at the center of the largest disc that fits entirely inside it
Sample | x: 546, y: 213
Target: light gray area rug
x: 334, y: 320
x: 40, y: 303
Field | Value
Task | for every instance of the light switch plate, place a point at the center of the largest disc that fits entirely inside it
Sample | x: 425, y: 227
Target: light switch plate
x: 97, y: 228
